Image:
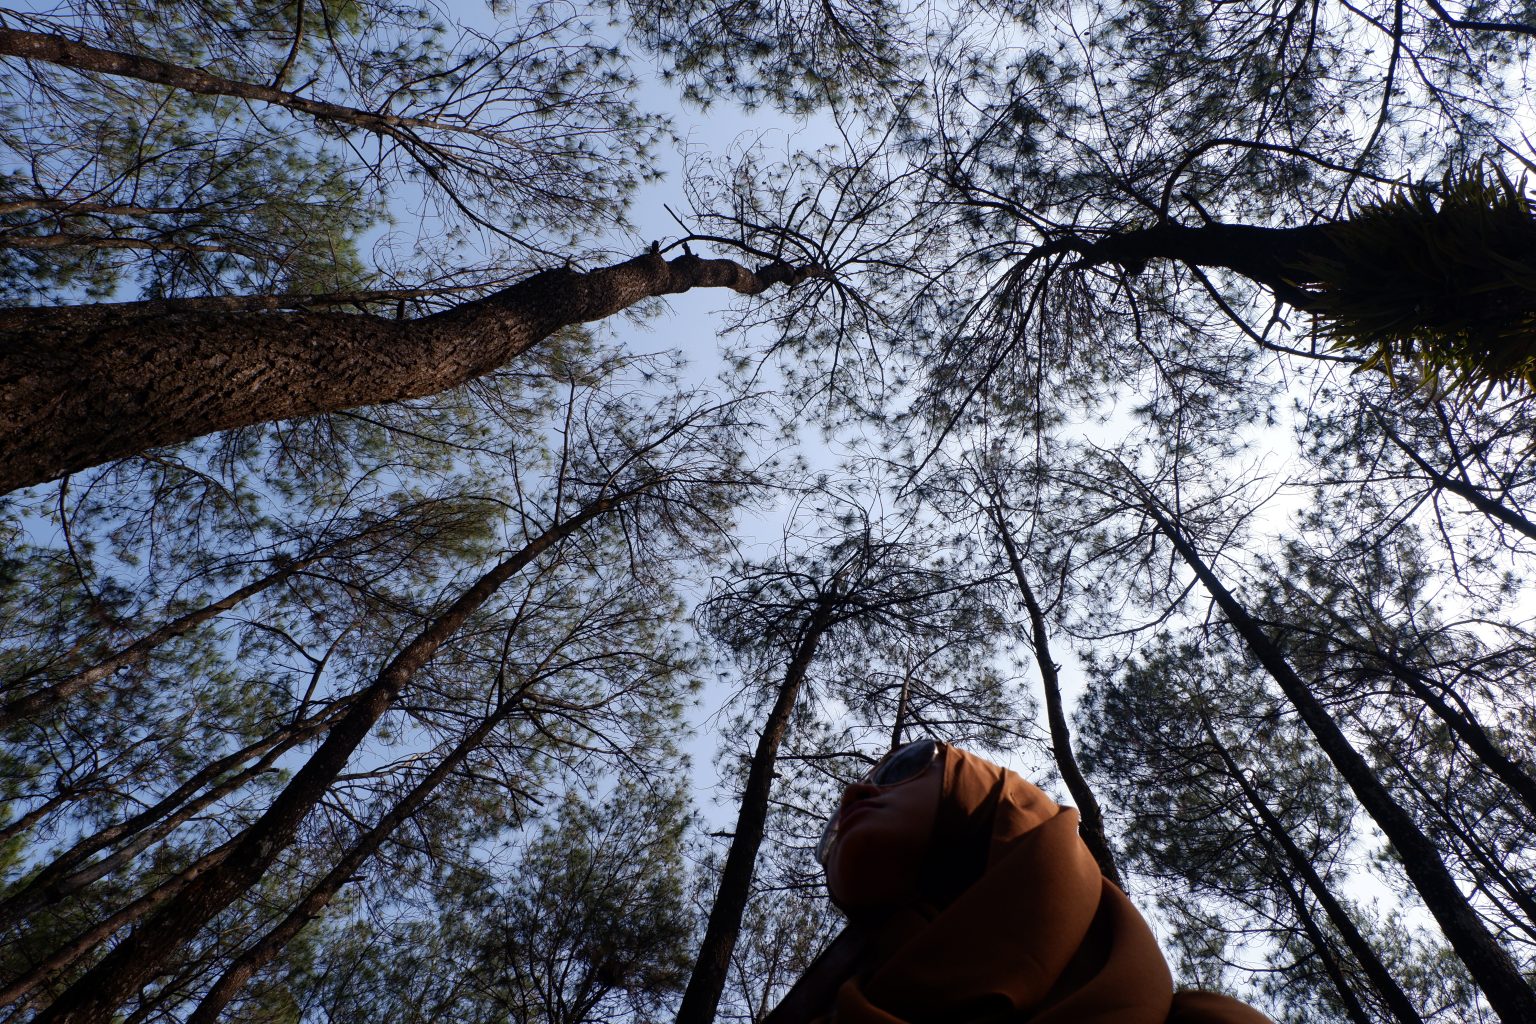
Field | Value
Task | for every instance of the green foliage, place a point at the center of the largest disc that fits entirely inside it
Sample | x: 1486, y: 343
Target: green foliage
x: 1446, y: 284
x: 586, y: 922
x: 800, y: 57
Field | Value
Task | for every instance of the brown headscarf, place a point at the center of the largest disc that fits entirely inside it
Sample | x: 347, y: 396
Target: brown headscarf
x: 1014, y: 923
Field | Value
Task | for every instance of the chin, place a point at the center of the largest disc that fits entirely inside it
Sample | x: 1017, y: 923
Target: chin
x: 858, y: 888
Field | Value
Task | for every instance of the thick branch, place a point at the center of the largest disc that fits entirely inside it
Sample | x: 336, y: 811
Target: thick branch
x: 1490, y: 507
x: 76, y: 395
x: 1267, y: 256
x: 79, y: 56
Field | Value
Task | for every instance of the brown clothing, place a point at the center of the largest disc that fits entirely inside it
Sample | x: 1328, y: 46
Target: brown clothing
x: 1040, y: 937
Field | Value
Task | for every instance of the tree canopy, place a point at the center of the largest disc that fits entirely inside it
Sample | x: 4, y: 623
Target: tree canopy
x: 1139, y: 393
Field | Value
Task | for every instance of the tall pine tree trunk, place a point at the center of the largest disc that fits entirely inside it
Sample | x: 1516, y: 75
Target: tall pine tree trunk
x: 40, y: 700
x: 1090, y: 816
x: 1489, y: 964
x: 1376, y: 971
x: 76, y: 393
x: 144, y: 953
x: 705, y: 985
x: 322, y: 892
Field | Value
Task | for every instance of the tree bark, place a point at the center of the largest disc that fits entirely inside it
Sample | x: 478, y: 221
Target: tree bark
x: 76, y: 395
x: 705, y: 985
x: 322, y: 892
x: 1489, y: 964
x: 30, y: 318
x: 1090, y: 816
x: 143, y: 954
x: 1381, y: 979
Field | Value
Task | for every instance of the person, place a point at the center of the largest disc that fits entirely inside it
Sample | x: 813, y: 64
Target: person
x: 971, y: 899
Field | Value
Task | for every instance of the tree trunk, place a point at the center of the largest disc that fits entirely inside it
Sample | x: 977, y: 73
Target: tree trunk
x: 1331, y: 965
x: 322, y: 892
x: 702, y: 997
x: 143, y: 954
x: 76, y: 395
x: 1090, y: 816
x: 1264, y: 255
x: 1489, y: 964
x: 1463, y: 489
x: 1392, y: 994
x: 78, y: 56
x: 61, y: 877
x: 94, y: 935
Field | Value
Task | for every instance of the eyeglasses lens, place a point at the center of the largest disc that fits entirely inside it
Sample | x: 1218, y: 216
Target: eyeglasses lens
x: 907, y: 762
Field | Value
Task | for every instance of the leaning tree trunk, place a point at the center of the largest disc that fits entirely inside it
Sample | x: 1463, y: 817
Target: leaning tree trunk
x: 73, y: 870
x: 143, y: 954
x: 1331, y: 965
x: 80, y: 945
x: 1506, y: 990
x: 1381, y: 979
x: 1464, y: 489
x: 1090, y: 816
x: 75, y: 394
x: 322, y: 892
x: 42, y: 699
x: 707, y: 982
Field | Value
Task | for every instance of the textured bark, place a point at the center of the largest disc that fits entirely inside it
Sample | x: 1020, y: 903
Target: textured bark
x: 1392, y: 994
x: 32, y: 318
x: 75, y: 395
x: 322, y: 892
x: 1506, y: 990
x: 1090, y: 816
x: 143, y: 954
x: 702, y: 997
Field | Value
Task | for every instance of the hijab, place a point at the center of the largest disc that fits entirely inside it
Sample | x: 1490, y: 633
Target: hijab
x: 1012, y: 923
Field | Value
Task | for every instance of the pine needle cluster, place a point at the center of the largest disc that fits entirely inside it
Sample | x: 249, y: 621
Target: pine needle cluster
x: 1444, y: 280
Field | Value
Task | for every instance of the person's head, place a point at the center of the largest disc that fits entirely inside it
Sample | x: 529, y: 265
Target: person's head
x: 923, y: 825
x: 878, y: 838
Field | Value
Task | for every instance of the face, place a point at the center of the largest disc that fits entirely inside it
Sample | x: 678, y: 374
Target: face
x: 883, y: 833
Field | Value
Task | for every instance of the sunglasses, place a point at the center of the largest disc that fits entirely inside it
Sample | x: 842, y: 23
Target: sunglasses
x: 901, y: 765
